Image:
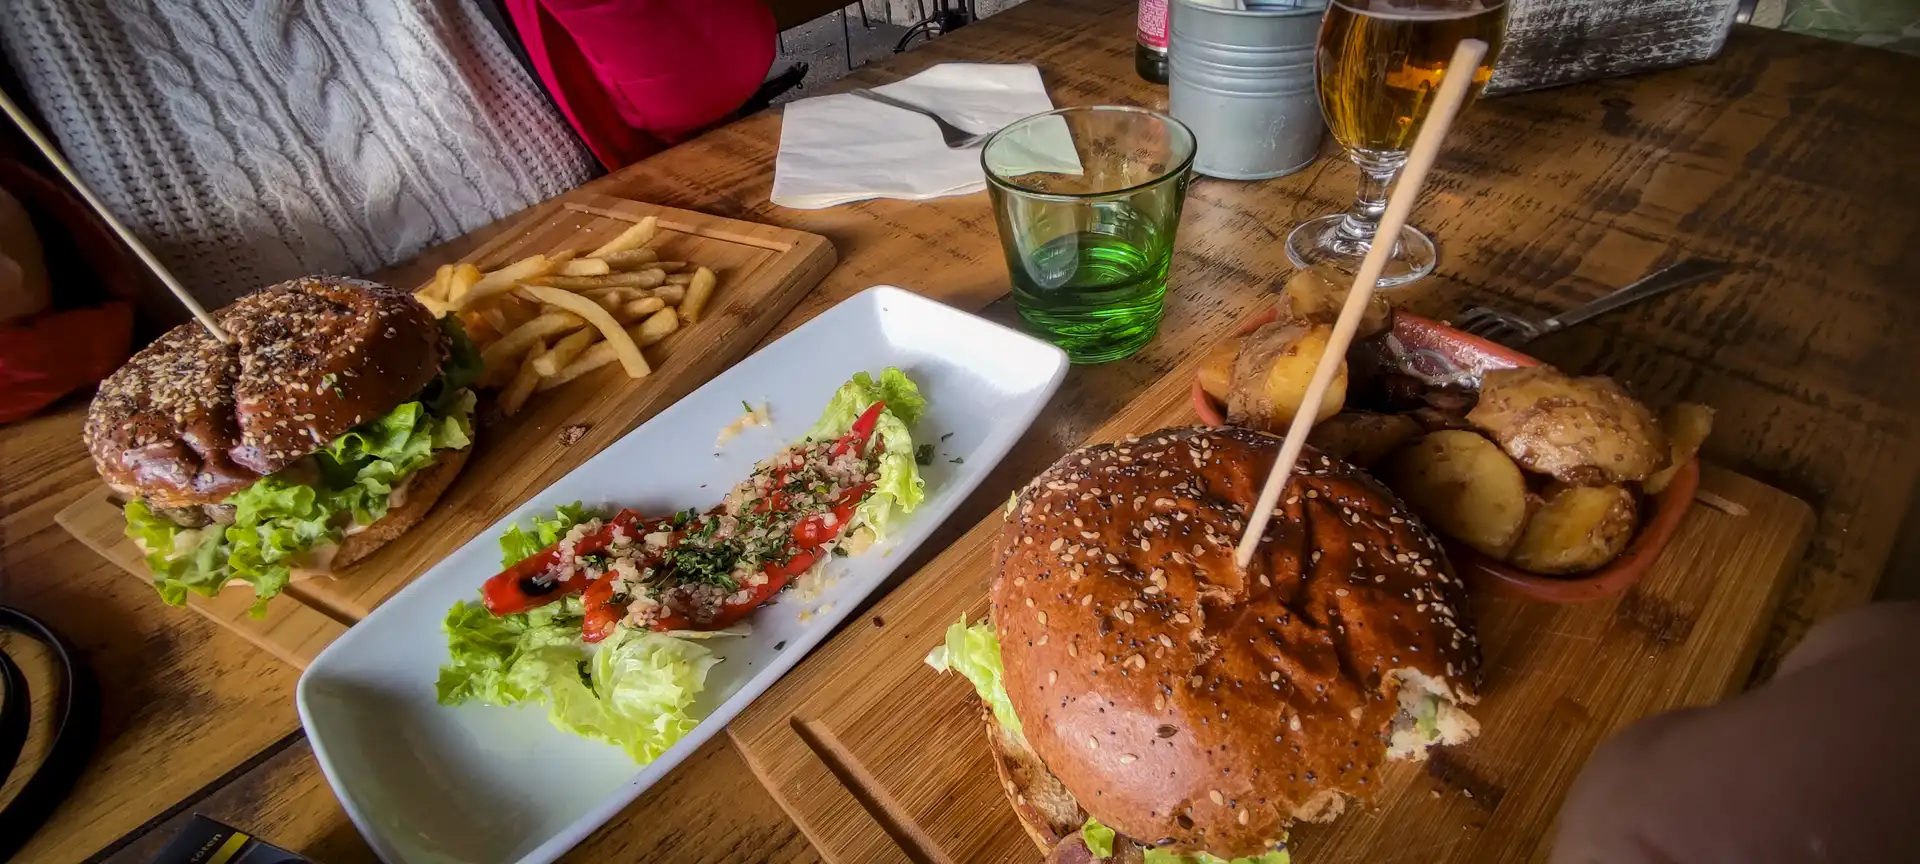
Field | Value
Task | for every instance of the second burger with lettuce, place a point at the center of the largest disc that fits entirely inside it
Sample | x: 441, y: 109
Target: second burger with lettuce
x: 329, y: 426
x: 1148, y: 701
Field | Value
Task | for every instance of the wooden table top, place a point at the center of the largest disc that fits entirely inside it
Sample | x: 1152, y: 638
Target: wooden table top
x: 1788, y: 156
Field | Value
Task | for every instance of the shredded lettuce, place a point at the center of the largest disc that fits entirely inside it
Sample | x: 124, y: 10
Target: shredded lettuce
x: 278, y: 522
x: 899, y: 488
x: 1099, y: 840
x: 632, y: 692
x: 517, y: 545
x: 1162, y: 856
x: 1098, y: 837
x: 974, y: 652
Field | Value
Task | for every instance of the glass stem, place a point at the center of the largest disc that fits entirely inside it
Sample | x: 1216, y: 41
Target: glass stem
x: 1377, y: 171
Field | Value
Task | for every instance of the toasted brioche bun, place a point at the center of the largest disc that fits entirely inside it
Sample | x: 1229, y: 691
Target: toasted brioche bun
x: 1195, y: 707
x: 188, y: 421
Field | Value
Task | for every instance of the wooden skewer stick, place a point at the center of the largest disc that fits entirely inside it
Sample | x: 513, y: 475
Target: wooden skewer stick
x: 39, y: 140
x: 1446, y: 103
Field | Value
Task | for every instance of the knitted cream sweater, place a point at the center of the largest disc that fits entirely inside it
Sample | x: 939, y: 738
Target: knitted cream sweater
x: 251, y: 141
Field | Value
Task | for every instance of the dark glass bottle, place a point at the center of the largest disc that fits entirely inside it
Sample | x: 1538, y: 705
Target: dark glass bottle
x: 1150, y: 41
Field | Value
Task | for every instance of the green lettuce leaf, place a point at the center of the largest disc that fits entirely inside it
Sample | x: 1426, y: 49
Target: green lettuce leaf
x: 637, y: 698
x: 899, y: 488
x: 974, y: 652
x: 517, y: 545
x: 278, y: 522
x: 1098, y: 837
x: 1162, y: 856
x: 633, y: 692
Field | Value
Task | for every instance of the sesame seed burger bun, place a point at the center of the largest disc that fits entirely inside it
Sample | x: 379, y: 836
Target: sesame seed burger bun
x: 1190, y: 706
x: 189, y: 421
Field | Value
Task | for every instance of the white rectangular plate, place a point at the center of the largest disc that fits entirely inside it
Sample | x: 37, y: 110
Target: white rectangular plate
x: 474, y: 783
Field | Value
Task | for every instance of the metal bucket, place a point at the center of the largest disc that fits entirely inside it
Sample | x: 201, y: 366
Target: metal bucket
x: 1242, y: 79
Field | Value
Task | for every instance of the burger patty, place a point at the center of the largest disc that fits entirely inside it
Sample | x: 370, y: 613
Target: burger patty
x: 195, y: 516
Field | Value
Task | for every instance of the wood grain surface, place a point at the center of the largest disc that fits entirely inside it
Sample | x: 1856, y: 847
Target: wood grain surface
x: 1789, y: 156
x: 907, y: 745
x: 763, y: 271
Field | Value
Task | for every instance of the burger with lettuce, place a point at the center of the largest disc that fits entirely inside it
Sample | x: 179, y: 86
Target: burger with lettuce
x: 1149, y: 701
x: 329, y: 426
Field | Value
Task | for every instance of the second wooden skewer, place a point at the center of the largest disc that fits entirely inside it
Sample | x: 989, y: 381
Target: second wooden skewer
x: 1426, y: 146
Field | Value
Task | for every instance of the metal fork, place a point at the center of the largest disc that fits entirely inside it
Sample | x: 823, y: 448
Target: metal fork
x: 956, y: 137
x: 1510, y: 329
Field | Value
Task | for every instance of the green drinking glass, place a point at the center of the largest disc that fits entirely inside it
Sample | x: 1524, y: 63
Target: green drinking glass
x: 1088, y: 200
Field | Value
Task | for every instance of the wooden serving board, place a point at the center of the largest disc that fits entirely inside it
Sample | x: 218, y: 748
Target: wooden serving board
x: 763, y: 271
x: 878, y: 758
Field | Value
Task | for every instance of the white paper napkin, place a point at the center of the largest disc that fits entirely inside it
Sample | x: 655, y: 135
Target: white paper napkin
x: 841, y: 148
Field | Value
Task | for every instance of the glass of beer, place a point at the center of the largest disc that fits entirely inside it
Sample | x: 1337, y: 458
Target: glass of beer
x: 1087, y: 201
x: 1379, y: 64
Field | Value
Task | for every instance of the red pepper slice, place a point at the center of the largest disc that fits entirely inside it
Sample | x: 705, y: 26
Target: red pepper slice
x: 778, y: 575
x: 518, y: 588
x: 813, y: 532
x: 601, y: 615
x: 862, y: 431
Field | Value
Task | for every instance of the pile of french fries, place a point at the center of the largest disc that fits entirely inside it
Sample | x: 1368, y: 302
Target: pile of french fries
x: 547, y: 319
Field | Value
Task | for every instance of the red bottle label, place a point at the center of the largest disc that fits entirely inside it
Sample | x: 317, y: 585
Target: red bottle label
x: 1152, y: 29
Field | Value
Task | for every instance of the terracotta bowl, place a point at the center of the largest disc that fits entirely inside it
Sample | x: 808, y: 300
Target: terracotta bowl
x: 1660, y: 514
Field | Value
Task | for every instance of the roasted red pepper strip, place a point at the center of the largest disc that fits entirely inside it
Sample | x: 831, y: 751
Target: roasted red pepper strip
x: 862, y: 431
x: 601, y: 615
x: 518, y: 588
x: 813, y: 532
x: 778, y: 575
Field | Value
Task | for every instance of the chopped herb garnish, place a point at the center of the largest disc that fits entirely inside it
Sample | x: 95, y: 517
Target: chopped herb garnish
x: 749, y: 408
x: 840, y: 552
x: 327, y: 382
x: 923, y: 454
x: 946, y: 436
x: 957, y: 461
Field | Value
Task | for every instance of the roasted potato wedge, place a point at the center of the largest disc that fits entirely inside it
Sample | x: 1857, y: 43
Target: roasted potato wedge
x: 1576, y: 529
x: 1314, y: 295
x: 1463, y: 486
x: 1271, y: 373
x: 1585, y: 431
x: 1216, y: 371
x: 1687, y: 426
x: 1363, y: 437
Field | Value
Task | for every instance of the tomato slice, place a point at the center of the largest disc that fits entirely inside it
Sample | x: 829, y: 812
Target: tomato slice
x: 519, y: 588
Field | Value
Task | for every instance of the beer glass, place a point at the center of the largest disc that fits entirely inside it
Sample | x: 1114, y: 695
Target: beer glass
x: 1379, y: 64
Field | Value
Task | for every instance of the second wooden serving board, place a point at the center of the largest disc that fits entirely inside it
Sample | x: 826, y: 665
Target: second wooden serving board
x: 763, y: 272
x: 879, y: 758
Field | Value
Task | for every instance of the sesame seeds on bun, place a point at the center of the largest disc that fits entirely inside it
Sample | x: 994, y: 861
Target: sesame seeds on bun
x: 189, y: 421
x: 1194, y: 707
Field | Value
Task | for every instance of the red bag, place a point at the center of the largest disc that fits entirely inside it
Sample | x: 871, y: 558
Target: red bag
x: 89, y: 332
x: 58, y: 353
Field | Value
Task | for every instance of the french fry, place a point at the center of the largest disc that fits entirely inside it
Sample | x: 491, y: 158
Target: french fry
x: 673, y: 292
x: 501, y: 354
x: 632, y: 259
x: 496, y: 319
x: 629, y: 353
x: 669, y: 266
x: 434, y: 304
x: 600, y: 354
x: 698, y: 292
x: 478, y: 329
x: 584, y: 267
x: 437, y: 289
x: 633, y: 238
x: 504, y: 279
x: 551, y: 361
x: 524, y: 382
x: 658, y: 326
x: 462, y: 280
x: 680, y: 279
x: 639, y: 308
x: 628, y: 279
x: 517, y: 311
